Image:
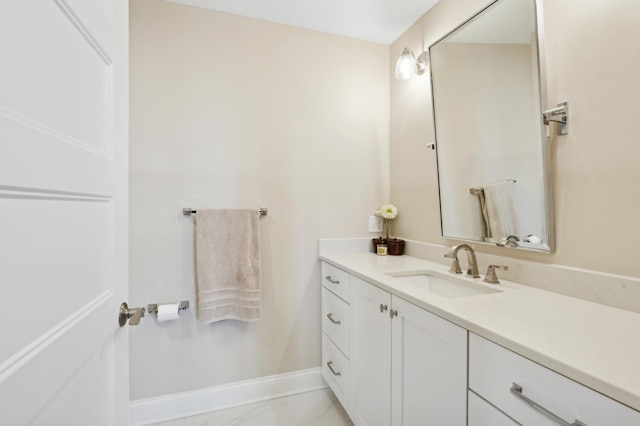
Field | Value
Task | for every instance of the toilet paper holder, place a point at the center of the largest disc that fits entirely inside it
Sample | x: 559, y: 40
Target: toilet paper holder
x: 153, y: 308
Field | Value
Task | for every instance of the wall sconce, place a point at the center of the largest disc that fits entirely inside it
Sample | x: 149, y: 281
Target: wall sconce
x: 408, y: 63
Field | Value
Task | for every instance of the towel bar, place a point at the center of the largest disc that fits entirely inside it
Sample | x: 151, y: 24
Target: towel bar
x: 475, y: 191
x: 153, y: 308
x: 188, y: 211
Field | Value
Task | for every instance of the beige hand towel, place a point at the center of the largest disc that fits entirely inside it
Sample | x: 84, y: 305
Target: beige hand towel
x: 485, y: 213
x: 501, y: 209
x: 228, y: 265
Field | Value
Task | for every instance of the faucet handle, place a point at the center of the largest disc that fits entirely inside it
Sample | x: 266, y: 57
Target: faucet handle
x: 492, y: 277
x: 455, y: 264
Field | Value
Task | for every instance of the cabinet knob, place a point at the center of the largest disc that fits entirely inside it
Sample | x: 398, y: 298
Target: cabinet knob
x: 383, y: 307
x: 393, y: 313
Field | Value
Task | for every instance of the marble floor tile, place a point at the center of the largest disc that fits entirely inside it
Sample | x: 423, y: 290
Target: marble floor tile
x: 316, y: 408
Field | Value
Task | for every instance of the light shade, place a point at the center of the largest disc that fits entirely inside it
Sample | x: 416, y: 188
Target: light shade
x: 407, y: 64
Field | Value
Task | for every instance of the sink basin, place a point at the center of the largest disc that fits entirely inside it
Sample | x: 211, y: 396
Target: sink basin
x: 442, y: 285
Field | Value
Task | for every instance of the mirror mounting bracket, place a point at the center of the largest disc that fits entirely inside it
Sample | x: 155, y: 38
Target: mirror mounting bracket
x: 563, y: 111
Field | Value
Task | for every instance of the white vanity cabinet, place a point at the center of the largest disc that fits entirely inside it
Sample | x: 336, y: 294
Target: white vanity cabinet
x: 408, y: 366
x: 533, y: 395
x: 392, y: 363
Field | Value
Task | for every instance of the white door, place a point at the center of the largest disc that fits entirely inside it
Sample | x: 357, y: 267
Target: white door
x: 429, y: 369
x: 63, y: 212
x: 370, y: 354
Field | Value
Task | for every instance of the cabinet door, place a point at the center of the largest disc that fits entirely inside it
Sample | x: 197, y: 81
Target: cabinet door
x: 336, y: 280
x: 370, y: 354
x: 335, y: 370
x: 481, y: 413
x: 429, y: 368
x: 335, y: 320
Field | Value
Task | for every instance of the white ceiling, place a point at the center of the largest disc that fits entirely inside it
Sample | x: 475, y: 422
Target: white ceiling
x: 379, y: 21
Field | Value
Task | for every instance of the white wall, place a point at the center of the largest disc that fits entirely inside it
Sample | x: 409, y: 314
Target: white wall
x: 229, y: 112
x: 592, y: 61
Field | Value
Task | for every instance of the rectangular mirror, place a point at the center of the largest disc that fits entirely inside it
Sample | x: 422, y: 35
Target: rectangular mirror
x: 493, y: 161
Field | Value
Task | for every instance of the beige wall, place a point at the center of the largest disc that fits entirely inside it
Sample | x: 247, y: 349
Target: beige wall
x: 232, y: 112
x: 592, y: 61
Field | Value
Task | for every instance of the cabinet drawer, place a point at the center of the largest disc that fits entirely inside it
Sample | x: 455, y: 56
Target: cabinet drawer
x: 494, y: 371
x: 335, y: 370
x: 481, y: 413
x: 336, y: 280
x: 335, y: 320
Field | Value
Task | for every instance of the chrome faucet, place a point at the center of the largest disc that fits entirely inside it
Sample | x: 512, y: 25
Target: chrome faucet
x: 472, y: 264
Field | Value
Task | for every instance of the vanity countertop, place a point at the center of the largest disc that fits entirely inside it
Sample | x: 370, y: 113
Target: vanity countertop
x: 593, y: 344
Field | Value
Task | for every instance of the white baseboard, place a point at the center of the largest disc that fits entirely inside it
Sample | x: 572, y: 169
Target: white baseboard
x: 184, y: 404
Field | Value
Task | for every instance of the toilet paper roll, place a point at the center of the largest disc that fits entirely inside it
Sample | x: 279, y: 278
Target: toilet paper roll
x: 168, y: 312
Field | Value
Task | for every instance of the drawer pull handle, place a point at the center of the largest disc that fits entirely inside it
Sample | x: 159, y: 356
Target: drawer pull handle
x: 330, y: 316
x: 335, y: 373
x: 328, y: 278
x: 516, y: 390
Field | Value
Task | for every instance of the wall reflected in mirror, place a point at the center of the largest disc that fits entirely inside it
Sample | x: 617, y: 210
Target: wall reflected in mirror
x: 492, y: 161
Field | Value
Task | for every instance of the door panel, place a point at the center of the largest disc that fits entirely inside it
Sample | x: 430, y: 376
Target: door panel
x: 63, y: 211
x: 48, y: 240
x: 85, y: 392
x: 56, y: 76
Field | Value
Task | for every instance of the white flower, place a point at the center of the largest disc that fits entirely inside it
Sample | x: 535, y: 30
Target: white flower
x: 387, y: 211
